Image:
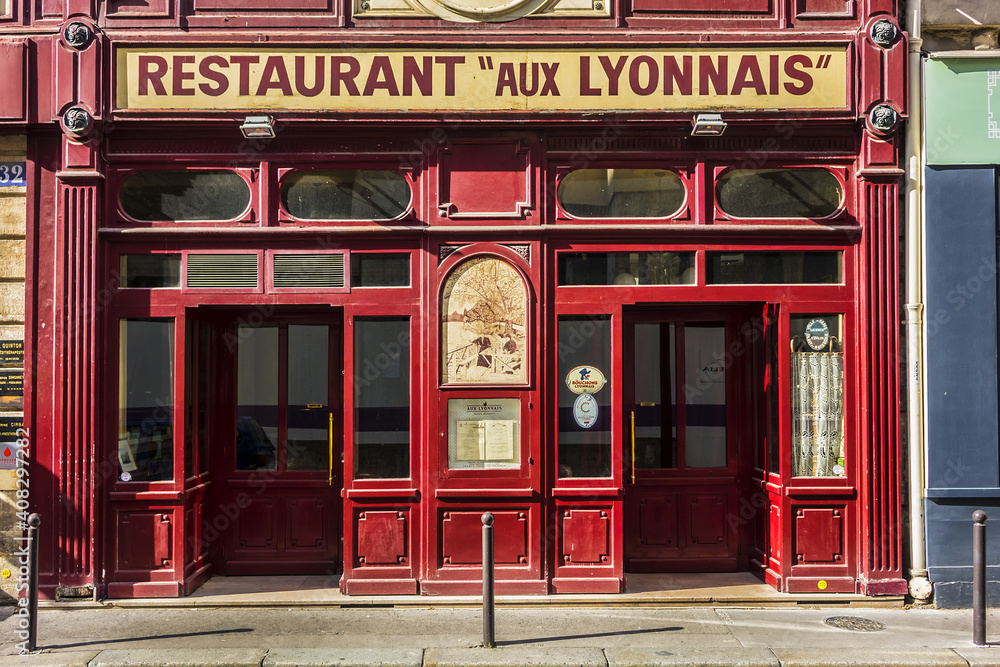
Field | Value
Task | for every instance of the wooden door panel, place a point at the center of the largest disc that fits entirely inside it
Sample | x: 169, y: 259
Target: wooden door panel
x: 306, y: 520
x: 706, y: 519
x: 256, y: 525
x: 658, y: 521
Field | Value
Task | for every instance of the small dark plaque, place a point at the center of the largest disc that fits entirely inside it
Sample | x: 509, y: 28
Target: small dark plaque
x: 9, y: 427
x: 9, y: 446
x: 11, y: 352
x: 13, y: 173
x: 11, y: 383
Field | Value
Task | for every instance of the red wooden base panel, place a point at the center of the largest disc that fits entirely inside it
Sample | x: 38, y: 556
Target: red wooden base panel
x: 589, y: 585
x: 883, y: 587
x: 193, y: 581
x: 819, y: 585
x: 380, y: 587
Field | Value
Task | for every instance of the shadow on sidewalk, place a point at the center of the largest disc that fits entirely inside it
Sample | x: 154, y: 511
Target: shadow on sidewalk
x: 594, y: 635
x: 54, y: 647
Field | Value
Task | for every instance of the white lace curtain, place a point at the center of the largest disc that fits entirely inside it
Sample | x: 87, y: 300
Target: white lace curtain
x: 817, y: 413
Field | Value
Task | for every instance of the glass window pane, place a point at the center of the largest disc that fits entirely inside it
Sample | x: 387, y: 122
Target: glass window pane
x: 159, y: 196
x: 257, y: 398
x: 206, y: 383
x: 484, y: 434
x: 584, y: 430
x: 345, y: 194
x: 817, y: 384
x: 381, y: 398
x: 483, y: 318
x: 308, y: 445
x: 779, y: 193
x: 705, y: 395
x: 774, y: 268
x: 380, y: 270
x: 773, y: 381
x: 150, y: 270
x: 621, y: 193
x: 655, y: 408
x: 146, y: 400
x: 626, y: 268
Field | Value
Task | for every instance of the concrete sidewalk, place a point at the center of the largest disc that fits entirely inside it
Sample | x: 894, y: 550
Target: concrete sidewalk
x: 545, y: 637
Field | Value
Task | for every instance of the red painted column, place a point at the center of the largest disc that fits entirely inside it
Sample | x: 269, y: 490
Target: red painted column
x: 76, y: 323
x: 880, y: 571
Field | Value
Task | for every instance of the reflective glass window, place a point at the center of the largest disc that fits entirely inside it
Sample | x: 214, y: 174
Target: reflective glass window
x: 381, y: 398
x: 380, y: 269
x: 621, y: 193
x: 585, y: 436
x: 626, y: 268
x: 774, y: 268
x: 257, y: 398
x: 161, y: 270
x: 146, y: 400
x: 345, y: 194
x: 203, y: 194
x: 779, y: 193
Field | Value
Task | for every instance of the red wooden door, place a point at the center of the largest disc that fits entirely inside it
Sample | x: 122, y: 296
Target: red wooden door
x: 276, y: 504
x: 683, y: 428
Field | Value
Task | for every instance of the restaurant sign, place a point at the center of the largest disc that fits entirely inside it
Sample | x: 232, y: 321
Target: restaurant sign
x: 490, y: 80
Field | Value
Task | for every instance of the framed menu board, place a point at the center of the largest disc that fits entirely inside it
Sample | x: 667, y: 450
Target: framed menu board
x: 484, y: 433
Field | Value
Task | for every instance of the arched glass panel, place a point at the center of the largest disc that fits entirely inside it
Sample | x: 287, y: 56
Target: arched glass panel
x: 621, y: 193
x: 483, y: 324
x: 779, y: 193
x: 345, y: 194
x: 184, y: 196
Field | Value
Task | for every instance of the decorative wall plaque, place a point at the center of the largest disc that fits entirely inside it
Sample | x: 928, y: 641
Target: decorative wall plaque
x: 483, y: 324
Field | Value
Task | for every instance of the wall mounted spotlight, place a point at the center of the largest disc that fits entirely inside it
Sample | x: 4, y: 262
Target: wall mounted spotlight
x: 258, y: 127
x: 708, y: 125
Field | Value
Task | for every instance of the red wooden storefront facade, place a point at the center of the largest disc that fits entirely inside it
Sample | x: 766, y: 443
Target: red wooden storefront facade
x: 232, y: 375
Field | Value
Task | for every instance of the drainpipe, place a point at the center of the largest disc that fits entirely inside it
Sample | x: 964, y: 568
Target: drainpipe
x: 921, y: 588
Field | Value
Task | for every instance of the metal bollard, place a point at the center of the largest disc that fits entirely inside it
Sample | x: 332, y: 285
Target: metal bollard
x: 34, y: 521
x: 488, y: 620
x: 979, y: 578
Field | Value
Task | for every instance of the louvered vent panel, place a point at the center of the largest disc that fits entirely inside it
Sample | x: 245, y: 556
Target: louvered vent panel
x: 299, y: 270
x: 222, y: 271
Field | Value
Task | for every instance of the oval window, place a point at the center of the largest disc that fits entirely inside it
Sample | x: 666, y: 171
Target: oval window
x: 621, y: 193
x: 345, y: 194
x: 779, y: 193
x: 164, y: 196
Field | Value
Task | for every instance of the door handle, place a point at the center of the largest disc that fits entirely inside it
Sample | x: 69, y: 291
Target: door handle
x: 330, y: 439
x: 633, y: 446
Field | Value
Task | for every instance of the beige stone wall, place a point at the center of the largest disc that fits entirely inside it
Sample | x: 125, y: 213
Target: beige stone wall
x: 969, y: 25
x: 12, y: 269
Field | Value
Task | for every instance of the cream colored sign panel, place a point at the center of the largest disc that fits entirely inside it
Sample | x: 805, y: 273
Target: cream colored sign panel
x: 496, y: 80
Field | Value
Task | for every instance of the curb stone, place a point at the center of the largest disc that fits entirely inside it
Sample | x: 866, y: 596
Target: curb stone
x: 869, y: 657
x: 988, y: 656
x: 61, y: 659
x: 344, y: 657
x: 514, y: 656
x: 691, y: 657
x: 180, y: 657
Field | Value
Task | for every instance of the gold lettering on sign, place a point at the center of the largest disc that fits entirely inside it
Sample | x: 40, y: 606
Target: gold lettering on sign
x: 493, y: 80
